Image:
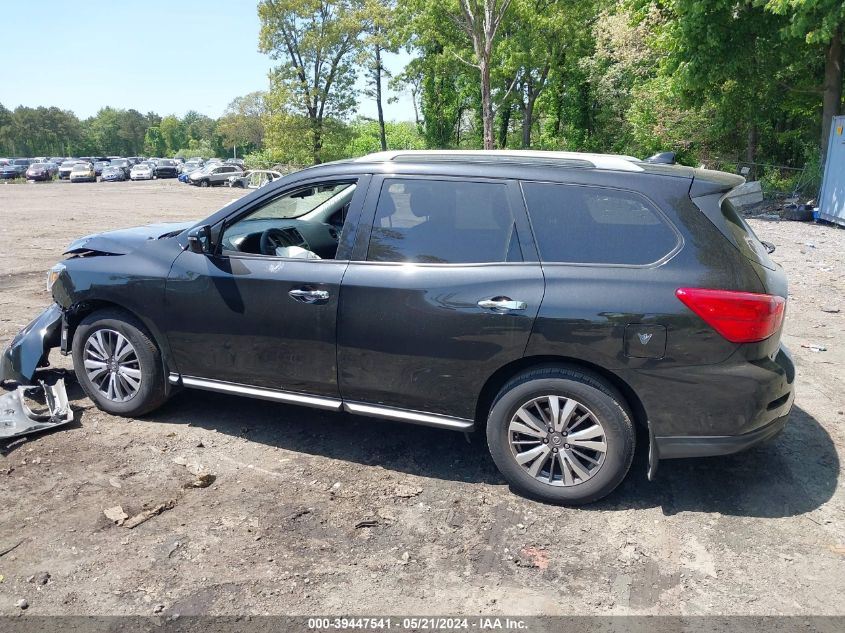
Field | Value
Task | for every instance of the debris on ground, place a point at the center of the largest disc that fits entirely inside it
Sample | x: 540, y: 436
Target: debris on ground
x: 831, y: 310
x: 532, y: 557
x: 17, y: 417
x: 22, y: 604
x: 116, y: 515
x: 146, y: 515
x: 6, y: 550
x: 814, y: 348
x: 366, y: 523
x: 406, y: 492
x: 40, y: 579
x: 203, y: 478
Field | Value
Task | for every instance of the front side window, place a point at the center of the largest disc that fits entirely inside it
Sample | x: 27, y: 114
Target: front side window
x: 443, y: 222
x: 303, y: 223
x: 593, y: 225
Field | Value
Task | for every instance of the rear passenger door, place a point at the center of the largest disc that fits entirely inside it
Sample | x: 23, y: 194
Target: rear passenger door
x: 442, y: 291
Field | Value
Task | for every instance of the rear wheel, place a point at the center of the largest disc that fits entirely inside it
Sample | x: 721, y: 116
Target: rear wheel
x: 561, y: 436
x: 118, y: 364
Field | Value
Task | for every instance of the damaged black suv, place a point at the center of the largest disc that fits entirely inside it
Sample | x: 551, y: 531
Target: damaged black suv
x: 557, y: 300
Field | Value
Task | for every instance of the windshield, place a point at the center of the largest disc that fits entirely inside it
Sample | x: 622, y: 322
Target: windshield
x: 38, y: 165
x: 166, y: 163
x: 21, y: 161
x: 300, y: 202
x: 81, y: 167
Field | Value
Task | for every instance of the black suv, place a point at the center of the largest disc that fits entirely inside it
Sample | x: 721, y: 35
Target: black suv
x: 556, y: 299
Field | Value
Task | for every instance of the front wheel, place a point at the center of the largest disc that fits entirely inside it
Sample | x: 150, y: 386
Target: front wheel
x: 561, y: 436
x: 204, y: 183
x: 118, y: 364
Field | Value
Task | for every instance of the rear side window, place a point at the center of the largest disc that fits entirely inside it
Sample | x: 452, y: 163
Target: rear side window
x: 592, y: 225
x: 443, y: 222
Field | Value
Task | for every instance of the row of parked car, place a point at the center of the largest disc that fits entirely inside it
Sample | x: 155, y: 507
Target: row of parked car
x: 194, y: 171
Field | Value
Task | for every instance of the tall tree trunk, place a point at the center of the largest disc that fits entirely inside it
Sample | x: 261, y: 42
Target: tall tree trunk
x: 834, y: 60
x: 751, y: 147
x: 527, y: 121
x: 486, y: 103
x: 317, y: 129
x: 382, y: 137
x: 504, y: 124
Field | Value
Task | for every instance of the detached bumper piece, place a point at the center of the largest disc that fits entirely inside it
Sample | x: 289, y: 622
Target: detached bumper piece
x: 29, y: 348
x: 17, y: 418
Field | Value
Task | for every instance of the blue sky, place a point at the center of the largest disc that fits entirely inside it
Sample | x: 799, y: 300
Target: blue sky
x: 166, y: 56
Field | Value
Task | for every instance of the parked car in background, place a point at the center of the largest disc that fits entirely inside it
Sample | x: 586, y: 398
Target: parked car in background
x: 83, y: 172
x: 16, y: 168
x: 166, y: 168
x: 99, y: 165
x: 66, y: 167
x: 254, y: 179
x: 123, y: 163
x: 58, y: 160
x: 142, y: 171
x: 214, y: 174
x: 112, y: 174
x: 41, y: 171
x: 191, y: 165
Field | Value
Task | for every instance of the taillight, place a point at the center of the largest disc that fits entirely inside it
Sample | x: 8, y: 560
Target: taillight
x: 741, y: 317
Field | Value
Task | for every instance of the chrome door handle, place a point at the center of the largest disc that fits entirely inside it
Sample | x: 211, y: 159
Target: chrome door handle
x: 309, y: 296
x: 502, y: 304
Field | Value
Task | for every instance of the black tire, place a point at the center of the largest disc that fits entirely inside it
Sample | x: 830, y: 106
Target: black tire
x: 151, y: 392
x: 606, y: 404
x: 204, y: 183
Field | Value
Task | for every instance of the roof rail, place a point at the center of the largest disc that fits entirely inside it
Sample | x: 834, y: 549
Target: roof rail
x: 614, y: 162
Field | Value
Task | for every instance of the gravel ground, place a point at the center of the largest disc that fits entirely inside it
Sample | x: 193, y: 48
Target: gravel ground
x: 314, y: 512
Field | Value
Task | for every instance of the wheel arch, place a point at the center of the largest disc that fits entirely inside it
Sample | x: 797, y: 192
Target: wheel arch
x: 79, y: 311
x: 499, y: 378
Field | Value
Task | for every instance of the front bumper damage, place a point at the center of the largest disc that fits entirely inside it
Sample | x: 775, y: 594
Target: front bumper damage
x: 28, y: 350
x: 17, y: 418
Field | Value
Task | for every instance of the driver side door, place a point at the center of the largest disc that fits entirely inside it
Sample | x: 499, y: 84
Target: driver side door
x: 244, y: 319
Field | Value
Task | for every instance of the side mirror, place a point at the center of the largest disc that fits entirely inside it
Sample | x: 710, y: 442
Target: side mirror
x: 199, y: 240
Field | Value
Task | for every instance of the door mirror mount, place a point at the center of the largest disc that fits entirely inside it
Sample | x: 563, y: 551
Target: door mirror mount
x: 199, y: 240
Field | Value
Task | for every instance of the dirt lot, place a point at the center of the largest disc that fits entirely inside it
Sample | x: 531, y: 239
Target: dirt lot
x: 314, y: 512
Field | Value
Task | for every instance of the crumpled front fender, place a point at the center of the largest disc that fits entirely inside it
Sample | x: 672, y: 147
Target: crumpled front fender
x: 24, y: 354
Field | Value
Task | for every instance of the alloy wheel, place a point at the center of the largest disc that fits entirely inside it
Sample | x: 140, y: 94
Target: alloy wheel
x: 557, y: 440
x: 112, y: 365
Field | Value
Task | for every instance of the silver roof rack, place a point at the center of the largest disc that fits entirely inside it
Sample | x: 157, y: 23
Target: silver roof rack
x: 614, y: 162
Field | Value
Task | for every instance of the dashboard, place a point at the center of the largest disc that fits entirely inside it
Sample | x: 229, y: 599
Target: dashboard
x: 317, y: 237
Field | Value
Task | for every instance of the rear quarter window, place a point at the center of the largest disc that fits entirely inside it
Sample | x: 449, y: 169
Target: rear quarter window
x: 576, y: 224
x: 744, y: 237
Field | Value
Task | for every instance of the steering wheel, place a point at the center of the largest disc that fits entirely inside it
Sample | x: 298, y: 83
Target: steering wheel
x: 272, y: 239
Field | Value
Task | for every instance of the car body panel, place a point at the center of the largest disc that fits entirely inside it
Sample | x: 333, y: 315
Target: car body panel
x: 29, y: 348
x: 397, y: 337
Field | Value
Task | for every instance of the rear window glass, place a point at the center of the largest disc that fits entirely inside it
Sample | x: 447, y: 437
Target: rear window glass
x: 744, y: 237
x: 591, y: 225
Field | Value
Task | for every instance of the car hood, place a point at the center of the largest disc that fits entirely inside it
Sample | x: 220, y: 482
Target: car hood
x: 125, y: 241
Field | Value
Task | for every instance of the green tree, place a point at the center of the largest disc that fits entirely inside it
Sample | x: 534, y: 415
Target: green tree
x: 315, y: 41
x: 154, y: 143
x: 175, y: 134
x: 820, y: 23
x: 242, y: 124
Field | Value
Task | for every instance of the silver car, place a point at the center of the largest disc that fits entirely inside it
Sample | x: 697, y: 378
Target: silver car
x: 213, y: 175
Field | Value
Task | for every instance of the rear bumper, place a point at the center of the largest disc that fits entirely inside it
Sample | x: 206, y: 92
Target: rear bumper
x: 715, y: 445
x: 725, y: 413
